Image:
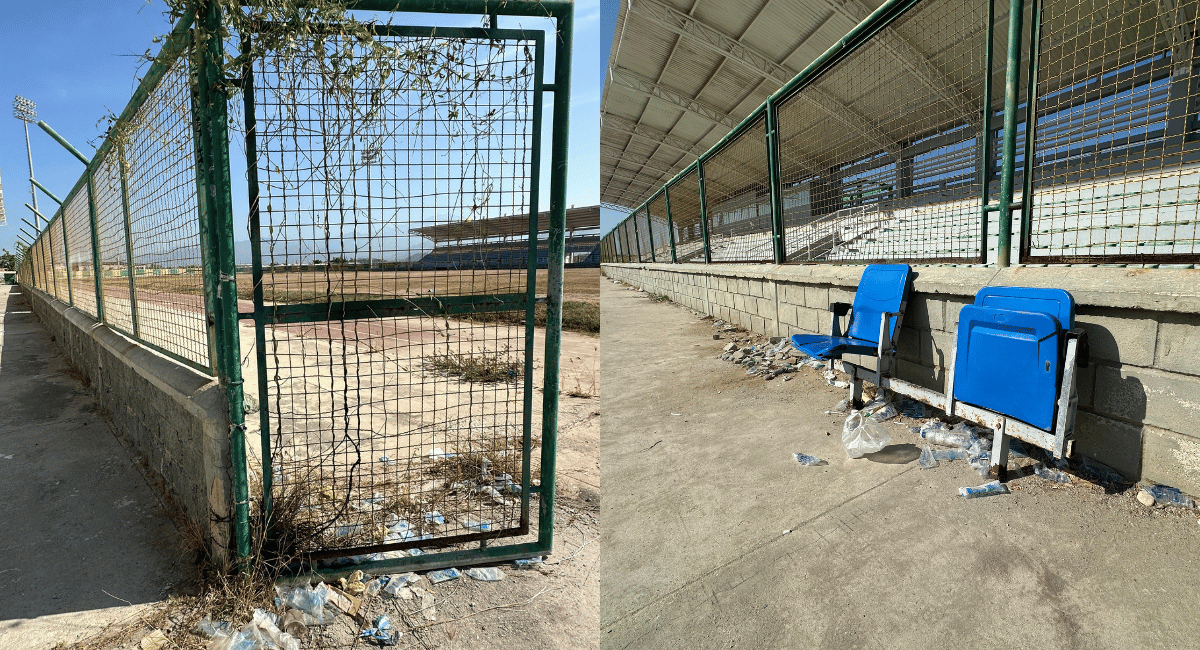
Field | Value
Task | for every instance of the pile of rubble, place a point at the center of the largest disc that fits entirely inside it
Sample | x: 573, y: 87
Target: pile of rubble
x: 762, y: 356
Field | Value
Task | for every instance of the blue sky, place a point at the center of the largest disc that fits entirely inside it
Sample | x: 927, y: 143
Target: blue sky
x: 608, y: 25
x: 81, y: 60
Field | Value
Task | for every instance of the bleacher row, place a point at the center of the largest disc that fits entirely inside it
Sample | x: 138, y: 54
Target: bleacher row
x: 585, y: 252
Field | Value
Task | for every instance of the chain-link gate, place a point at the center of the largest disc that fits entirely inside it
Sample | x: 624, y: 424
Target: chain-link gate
x: 395, y: 413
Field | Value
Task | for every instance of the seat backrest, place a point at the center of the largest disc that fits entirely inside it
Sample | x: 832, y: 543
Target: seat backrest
x: 882, y: 288
x: 1056, y: 302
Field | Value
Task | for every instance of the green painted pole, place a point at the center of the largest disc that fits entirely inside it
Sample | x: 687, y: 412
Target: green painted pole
x: 92, y: 226
x: 46, y: 191
x: 637, y: 239
x: 703, y: 213
x: 985, y: 147
x: 217, y: 223
x: 556, y: 245
x: 1035, y: 34
x: 773, y: 178
x: 62, y: 220
x: 63, y: 141
x: 670, y: 226
x: 133, y: 312
x: 1012, y: 91
x: 650, y: 232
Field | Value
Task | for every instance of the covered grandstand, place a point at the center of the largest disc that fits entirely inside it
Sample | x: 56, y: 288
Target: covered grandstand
x: 503, y: 242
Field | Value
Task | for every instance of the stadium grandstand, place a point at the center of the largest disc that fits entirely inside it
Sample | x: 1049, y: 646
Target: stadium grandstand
x: 503, y: 242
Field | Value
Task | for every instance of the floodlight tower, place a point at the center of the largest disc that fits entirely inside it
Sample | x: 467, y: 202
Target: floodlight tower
x: 26, y: 111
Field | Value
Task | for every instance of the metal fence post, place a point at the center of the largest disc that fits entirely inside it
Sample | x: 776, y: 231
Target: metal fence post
x: 1026, y: 234
x: 62, y: 221
x: 216, y: 229
x: 703, y: 212
x: 91, y: 190
x: 128, y: 240
x: 985, y: 136
x: 670, y: 224
x: 650, y: 232
x: 637, y: 240
x: 773, y: 178
x: 1012, y: 91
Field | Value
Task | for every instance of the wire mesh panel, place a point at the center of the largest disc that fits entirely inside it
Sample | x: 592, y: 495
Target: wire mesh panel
x: 627, y: 234
x: 80, y: 263
x: 1116, y: 168
x: 394, y: 229
x: 656, y: 217
x: 110, y: 231
x: 878, y: 155
x: 737, y: 196
x: 161, y: 183
x: 641, y: 231
x: 62, y: 286
x: 685, y: 218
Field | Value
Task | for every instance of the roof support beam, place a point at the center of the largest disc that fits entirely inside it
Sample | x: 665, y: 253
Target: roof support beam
x: 638, y: 83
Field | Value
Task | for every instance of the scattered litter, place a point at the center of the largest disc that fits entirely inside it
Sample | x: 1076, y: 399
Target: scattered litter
x: 1102, y: 473
x: 438, y: 452
x: 949, y: 454
x: 211, y: 629
x: 156, y: 640
x: 7, y: 456
x: 861, y: 436
x: 1168, y: 496
x: 261, y: 633
x: 840, y: 408
x: 354, y: 586
x: 347, y: 603
x: 927, y: 461
x: 987, y: 489
x: 382, y: 633
x: 936, y: 432
x: 434, y: 517
x: 1051, y: 474
x: 307, y: 599
x: 486, y: 574
x: 397, y: 582
x: 292, y: 622
x: 787, y: 532
x: 805, y: 459
x: 528, y: 563
x: 477, y: 526
x: 442, y: 575
x: 981, y: 462
x: 676, y: 414
x: 428, y: 611
x: 911, y: 408
x: 880, y: 410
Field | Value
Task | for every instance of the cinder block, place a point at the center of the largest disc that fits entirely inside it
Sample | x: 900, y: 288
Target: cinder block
x: 809, y: 320
x: 1153, y: 397
x: 756, y: 288
x: 951, y: 306
x: 1117, y: 338
x: 840, y: 295
x: 1171, y: 459
x: 766, y: 307
x: 792, y: 294
x: 1179, y: 347
x: 925, y: 311
x: 918, y: 374
x: 1116, y: 444
x: 908, y: 344
x: 787, y: 315
x: 941, y: 349
x: 816, y: 297
x: 758, y: 324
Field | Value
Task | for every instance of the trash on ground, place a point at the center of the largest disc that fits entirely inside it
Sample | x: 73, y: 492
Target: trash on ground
x: 354, y: 586
x: 434, y: 517
x: 428, y: 611
x: 911, y: 408
x: 528, y: 563
x: 1102, y: 473
x: 396, y: 582
x: 261, y: 633
x: 861, y: 436
x: 292, y: 622
x: 387, y: 461
x: 936, y: 432
x: 345, y: 602
x: 927, y: 461
x: 307, y: 599
x: 880, y: 410
x: 438, y: 452
x: 1051, y: 474
x: 209, y: 628
x: 987, y: 489
x: 840, y: 408
x: 156, y: 640
x: 477, y: 526
x: 485, y: 574
x: 442, y: 575
x: 981, y: 462
x: 1168, y: 496
x: 382, y: 633
x: 805, y: 459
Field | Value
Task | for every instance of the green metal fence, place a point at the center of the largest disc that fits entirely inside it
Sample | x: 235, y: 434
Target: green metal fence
x: 363, y: 442
x: 906, y: 141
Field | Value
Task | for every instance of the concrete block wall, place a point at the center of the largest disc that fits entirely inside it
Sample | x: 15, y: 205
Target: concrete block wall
x: 1139, y: 398
x: 173, y: 416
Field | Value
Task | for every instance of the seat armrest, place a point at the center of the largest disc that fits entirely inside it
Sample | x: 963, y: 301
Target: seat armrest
x: 839, y: 308
x: 1083, y: 351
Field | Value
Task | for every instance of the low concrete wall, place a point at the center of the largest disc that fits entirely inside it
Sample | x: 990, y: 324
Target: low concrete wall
x: 173, y: 416
x: 1139, y: 398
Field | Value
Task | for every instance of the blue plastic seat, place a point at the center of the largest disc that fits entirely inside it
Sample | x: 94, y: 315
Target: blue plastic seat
x: 882, y: 289
x: 1008, y: 352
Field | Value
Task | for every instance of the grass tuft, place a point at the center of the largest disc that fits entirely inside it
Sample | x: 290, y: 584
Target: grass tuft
x: 488, y: 367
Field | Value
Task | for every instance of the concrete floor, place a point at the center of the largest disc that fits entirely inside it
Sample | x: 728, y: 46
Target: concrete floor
x: 700, y: 487
x: 84, y: 540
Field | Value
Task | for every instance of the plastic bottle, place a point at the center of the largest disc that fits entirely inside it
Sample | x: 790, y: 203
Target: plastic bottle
x: 949, y: 454
x: 927, y: 461
x: 1051, y: 474
x: 987, y: 489
x: 805, y: 459
x: 1169, y: 496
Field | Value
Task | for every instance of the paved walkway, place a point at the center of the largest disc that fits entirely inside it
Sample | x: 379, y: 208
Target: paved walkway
x: 84, y: 540
x: 700, y: 487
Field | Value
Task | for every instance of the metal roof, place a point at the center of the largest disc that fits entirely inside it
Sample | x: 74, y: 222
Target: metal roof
x: 683, y: 73
x: 585, y: 218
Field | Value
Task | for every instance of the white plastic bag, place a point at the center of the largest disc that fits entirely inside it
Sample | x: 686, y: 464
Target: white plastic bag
x: 862, y: 436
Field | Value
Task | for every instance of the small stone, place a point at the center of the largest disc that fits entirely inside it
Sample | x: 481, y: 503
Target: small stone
x: 739, y: 355
x: 730, y: 347
x: 775, y: 340
x: 1145, y: 498
x: 716, y: 337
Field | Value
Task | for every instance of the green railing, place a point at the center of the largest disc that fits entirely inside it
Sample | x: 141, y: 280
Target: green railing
x: 906, y: 141
x: 144, y: 243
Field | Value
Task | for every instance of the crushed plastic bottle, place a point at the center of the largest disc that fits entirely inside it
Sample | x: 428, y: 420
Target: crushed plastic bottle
x: 485, y: 574
x: 1168, y: 496
x: 434, y: 517
x: 927, y: 461
x: 936, y: 432
x: 382, y: 633
x: 805, y: 459
x: 1051, y: 474
x: 397, y: 582
x: 987, y: 489
x: 528, y: 563
x: 911, y: 408
x: 211, y: 629
x: 880, y: 410
x: 442, y: 575
x: 307, y: 599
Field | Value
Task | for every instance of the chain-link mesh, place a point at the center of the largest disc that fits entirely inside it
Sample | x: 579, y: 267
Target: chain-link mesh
x: 391, y: 186
x: 114, y: 258
x: 160, y: 163
x: 738, y: 199
x: 685, y: 218
x: 641, y: 229
x: 1115, y: 170
x: 62, y: 281
x: 80, y: 263
x: 657, y: 227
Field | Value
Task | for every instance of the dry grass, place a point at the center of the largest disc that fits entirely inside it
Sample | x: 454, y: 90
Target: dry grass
x: 579, y: 379
x: 582, y: 317
x: 487, y: 367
